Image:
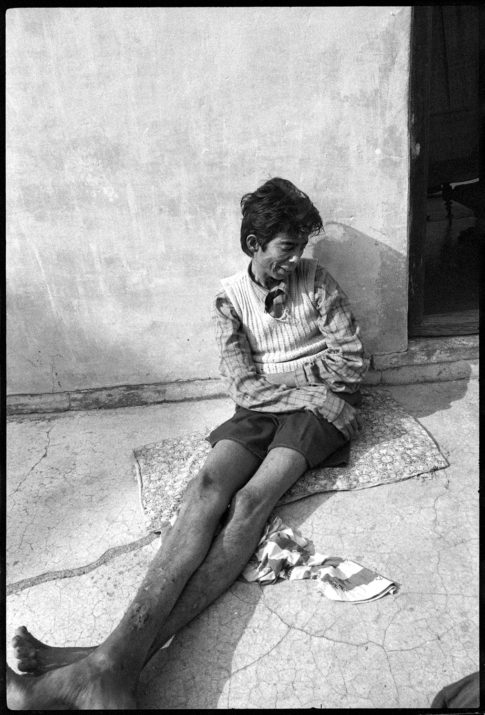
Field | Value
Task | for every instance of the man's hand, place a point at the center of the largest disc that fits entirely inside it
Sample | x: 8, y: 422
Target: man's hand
x: 348, y: 422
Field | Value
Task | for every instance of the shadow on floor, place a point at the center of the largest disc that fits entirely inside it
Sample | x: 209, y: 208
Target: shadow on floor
x: 424, y: 400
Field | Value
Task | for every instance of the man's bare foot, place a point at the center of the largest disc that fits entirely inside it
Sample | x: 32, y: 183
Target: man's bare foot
x: 91, y: 684
x: 37, y: 658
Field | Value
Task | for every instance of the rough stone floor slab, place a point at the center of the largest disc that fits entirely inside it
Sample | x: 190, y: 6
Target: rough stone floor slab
x: 71, y: 488
x: 73, y: 497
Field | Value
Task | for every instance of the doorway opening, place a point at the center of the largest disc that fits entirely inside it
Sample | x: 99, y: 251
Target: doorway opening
x: 447, y: 181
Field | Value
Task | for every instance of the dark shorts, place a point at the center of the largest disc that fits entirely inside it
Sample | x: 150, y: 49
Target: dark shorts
x: 317, y: 439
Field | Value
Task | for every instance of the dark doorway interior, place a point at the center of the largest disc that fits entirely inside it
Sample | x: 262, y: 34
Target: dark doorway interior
x: 447, y: 195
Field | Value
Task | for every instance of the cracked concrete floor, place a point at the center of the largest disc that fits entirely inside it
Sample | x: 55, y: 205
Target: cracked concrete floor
x: 77, y: 549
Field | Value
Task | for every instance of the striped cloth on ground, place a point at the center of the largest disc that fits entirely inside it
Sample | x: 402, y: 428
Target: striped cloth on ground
x: 283, y: 553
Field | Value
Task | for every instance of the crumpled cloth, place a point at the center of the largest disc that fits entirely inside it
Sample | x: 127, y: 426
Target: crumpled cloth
x: 283, y: 553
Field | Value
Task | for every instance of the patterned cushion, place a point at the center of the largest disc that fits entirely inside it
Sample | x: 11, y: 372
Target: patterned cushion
x: 392, y: 446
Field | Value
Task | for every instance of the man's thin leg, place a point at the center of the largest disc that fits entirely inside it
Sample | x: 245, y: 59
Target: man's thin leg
x: 106, y: 678
x: 232, y: 548
x: 236, y: 543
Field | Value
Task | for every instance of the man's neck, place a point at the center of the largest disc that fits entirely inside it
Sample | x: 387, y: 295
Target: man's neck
x: 266, y: 282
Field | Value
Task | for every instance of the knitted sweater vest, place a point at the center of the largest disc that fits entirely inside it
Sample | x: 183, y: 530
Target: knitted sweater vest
x: 279, y: 344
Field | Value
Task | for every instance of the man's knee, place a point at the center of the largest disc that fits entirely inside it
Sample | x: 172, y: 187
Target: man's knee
x: 208, y: 488
x: 250, y: 503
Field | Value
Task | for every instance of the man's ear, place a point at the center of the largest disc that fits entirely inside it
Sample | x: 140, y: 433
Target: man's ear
x: 252, y: 243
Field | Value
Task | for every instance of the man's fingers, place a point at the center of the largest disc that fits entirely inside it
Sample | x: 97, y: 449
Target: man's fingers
x: 349, y: 431
x: 353, y: 427
x: 351, y: 424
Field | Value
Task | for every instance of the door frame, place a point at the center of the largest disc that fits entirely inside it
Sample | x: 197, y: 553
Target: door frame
x: 420, y: 325
x: 418, y: 122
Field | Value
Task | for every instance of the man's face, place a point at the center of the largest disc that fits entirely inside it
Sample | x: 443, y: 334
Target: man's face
x: 279, y: 258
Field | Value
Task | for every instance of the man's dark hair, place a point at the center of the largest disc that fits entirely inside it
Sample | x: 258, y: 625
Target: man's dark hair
x: 275, y: 207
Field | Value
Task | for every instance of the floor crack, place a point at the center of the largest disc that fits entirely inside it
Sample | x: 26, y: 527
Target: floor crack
x: 108, y: 555
x: 46, y: 450
x: 317, y: 635
x: 264, y: 655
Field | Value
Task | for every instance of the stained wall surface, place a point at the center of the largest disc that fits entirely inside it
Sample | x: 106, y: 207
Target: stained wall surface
x: 132, y: 134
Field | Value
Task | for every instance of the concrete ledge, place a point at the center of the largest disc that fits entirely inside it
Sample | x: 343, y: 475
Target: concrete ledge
x: 47, y: 402
x: 117, y: 396
x: 439, y: 372
x: 422, y: 351
x: 426, y: 360
x: 130, y: 395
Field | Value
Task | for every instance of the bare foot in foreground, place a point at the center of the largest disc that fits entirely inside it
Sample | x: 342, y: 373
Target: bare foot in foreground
x: 91, y: 684
x: 37, y: 658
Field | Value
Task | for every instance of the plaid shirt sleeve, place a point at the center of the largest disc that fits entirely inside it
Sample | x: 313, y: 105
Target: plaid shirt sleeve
x: 343, y: 364
x: 250, y: 389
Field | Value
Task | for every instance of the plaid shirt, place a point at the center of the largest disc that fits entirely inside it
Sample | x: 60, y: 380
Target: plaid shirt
x: 340, y: 369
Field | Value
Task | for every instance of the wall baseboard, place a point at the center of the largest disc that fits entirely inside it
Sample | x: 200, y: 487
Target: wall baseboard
x: 425, y: 360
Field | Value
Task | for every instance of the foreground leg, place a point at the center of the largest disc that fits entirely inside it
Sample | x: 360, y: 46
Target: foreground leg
x: 87, y: 685
x: 230, y: 551
x: 237, y: 542
x: 115, y: 665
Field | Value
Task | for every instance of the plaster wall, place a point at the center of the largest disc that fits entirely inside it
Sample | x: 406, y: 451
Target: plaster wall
x: 132, y: 134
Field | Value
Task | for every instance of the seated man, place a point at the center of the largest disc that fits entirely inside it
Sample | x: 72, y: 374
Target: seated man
x: 293, y: 360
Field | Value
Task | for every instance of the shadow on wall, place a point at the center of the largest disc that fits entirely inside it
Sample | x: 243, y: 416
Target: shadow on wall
x: 375, y: 278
